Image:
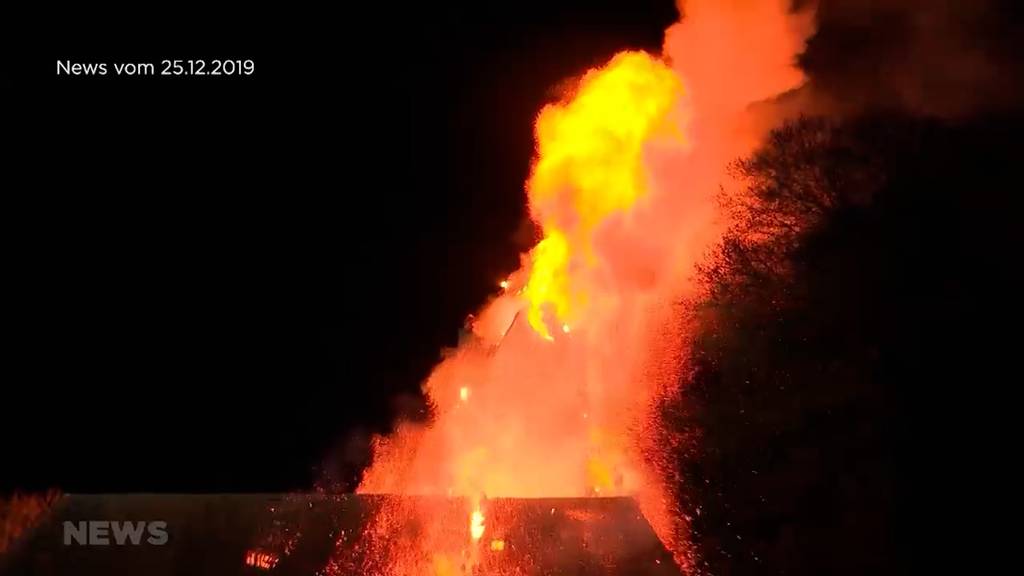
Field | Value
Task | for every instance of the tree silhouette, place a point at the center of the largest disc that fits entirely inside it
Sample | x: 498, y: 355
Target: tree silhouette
x: 839, y: 307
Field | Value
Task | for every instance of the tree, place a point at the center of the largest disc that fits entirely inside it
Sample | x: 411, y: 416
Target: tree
x: 856, y: 255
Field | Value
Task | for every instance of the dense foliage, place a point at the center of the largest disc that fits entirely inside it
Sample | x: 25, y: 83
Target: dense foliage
x: 851, y: 314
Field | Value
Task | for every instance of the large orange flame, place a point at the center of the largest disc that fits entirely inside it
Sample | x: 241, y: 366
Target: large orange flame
x: 553, y: 394
x: 557, y: 407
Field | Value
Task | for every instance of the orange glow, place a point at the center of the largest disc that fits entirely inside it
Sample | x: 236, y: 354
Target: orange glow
x: 20, y: 513
x: 569, y: 360
x: 260, y: 559
x: 497, y: 545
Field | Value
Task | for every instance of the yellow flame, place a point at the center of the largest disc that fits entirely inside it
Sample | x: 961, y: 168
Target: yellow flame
x: 476, y: 524
x: 548, y: 282
x: 589, y: 166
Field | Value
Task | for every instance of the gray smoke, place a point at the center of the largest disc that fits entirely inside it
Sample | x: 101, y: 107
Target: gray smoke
x: 935, y: 57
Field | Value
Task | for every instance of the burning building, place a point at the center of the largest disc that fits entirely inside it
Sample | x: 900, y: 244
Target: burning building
x: 540, y: 402
x: 555, y: 394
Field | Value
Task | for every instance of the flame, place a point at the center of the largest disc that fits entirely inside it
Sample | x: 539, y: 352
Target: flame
x: 589, y: 167
x: 553, y: 417
x: 623, y: 190
x: 476, y: 524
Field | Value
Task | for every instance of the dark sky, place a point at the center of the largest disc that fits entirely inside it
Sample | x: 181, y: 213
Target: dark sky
x: 229, y: 276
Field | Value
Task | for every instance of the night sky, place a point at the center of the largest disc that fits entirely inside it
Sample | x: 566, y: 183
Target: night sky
x: 233, y: 278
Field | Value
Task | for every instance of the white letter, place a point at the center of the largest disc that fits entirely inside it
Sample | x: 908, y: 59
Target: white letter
x: 157, y: 533
x: 78, y: 532
x: 98, y: 532
x: 133, y: 531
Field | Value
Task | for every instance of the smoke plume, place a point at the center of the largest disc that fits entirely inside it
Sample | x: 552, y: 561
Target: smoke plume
x: 931, y: 57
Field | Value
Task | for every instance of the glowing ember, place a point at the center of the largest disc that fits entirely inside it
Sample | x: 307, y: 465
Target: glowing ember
x: 260, y: 559
x: 497, y: 545
x: 464, y: 393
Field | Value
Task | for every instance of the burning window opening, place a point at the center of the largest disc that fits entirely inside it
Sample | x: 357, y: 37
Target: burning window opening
x: 260, y: 559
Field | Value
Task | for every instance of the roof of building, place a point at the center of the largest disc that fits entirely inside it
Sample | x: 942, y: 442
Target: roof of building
x: 339, y: 535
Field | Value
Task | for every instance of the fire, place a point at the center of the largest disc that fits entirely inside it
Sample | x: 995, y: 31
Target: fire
x: 548, y: 282
x: 476, y: 524
x: 261, y: 559
x: 590, y: 167
x: 623, y: 190
x: 551, y: 417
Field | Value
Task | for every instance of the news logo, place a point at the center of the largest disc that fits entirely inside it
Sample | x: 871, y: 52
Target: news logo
x: 115, y: 533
